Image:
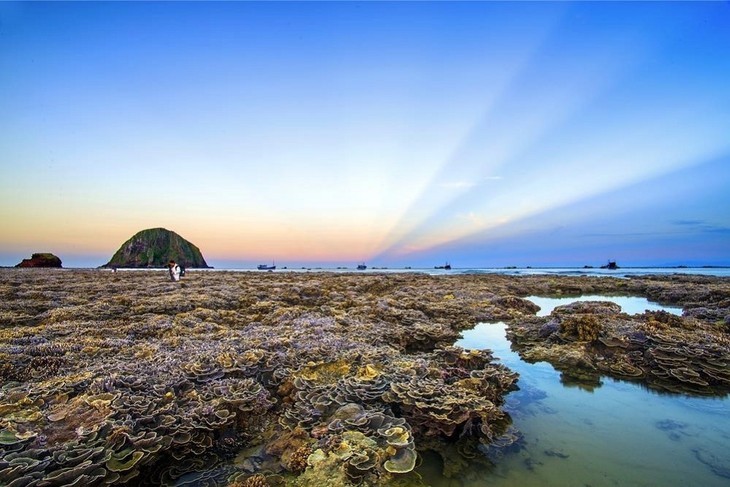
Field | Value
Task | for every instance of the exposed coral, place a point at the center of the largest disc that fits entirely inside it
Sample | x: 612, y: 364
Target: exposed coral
x: 674, y: 353
x: 306, y: 379
x: 257, y: 480
x: 584, y: 327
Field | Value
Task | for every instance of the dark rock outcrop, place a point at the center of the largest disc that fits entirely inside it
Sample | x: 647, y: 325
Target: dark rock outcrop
x: 155, y: 247
x: 41, y: 260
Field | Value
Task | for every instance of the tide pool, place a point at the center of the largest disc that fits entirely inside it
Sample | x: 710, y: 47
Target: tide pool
x: 629, y: 304
x: 615, y: 433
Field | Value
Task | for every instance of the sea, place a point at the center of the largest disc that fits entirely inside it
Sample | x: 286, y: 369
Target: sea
x: 622, y: 272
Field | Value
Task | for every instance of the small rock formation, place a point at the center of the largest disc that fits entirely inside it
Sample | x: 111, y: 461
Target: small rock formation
x: 45, y: 259
x: 155, y: 247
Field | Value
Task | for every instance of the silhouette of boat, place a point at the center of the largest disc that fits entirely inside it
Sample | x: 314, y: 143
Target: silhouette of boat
x: 361, y: 267
x: 265, y: 267
x: 446, y: 266
x: 611, y: 265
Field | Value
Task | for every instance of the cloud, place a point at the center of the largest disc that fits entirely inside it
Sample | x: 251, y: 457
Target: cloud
x: 457, y: 185
x: 621, y: 234
x: 467, y: 184
x: 715, y: 229
x: 702, y: 226
x: 688, y: 222
x: 472, y: 217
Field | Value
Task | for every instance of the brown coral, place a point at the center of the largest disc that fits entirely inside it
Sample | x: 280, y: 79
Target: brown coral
x: 257, y: 480
x: 584, y: 327
x: 110, y: 378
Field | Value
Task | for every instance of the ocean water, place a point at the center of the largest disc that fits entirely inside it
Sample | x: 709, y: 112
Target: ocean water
x: 616, y: 434
x: 520, y: 271
x: 621, y: 272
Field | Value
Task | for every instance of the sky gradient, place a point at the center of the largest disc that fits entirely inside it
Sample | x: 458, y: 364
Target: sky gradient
x: 482, y: 133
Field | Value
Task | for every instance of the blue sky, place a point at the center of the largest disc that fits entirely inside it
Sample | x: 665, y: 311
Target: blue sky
x: 483, y: 133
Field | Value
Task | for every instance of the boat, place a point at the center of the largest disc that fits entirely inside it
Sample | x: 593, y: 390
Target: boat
x: 361, y: 267
x: 611, y: 265
x: 446, y: 266
x: 266, y: 267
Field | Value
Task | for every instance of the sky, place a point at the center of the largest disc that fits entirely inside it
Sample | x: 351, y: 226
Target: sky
x: 484, y: 134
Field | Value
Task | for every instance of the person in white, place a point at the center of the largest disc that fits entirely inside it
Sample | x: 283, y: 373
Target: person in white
x: 174, y: 270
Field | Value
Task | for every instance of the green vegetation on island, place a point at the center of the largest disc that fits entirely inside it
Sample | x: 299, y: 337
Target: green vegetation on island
x: 155, y: 247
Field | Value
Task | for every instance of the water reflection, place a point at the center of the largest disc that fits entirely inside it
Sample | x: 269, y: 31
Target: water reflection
x: 602, y: 432
x: 629, y: 304
x: 587, y: 382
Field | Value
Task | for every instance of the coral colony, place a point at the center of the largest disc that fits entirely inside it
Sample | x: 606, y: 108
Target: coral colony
x: 293, y: 379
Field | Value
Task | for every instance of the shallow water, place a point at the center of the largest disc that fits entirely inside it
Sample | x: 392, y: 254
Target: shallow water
x: 615, y: 434
x: 629, y: 304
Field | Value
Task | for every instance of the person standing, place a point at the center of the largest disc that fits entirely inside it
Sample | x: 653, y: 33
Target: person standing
x: 174, y: 270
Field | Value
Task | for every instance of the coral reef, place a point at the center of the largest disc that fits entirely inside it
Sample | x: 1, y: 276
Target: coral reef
x: 305, y: 379
x: 674, y: 353
x: 120, y: 378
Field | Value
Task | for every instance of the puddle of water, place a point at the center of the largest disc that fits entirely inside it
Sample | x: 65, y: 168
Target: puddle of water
x: 629, y: 304
x: 616, y: 434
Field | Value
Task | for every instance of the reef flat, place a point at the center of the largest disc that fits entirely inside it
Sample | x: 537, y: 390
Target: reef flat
x: 256, y: 379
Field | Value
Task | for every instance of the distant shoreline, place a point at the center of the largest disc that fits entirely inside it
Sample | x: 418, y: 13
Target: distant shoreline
x: 627, y: 271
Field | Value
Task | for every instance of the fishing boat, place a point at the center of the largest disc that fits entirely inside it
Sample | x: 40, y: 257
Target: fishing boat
x: 611, y: 265
x: 362, y: 267
x: 266, y: 267
x: 446, y: 266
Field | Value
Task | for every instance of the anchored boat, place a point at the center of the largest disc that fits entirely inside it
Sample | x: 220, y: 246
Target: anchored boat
x: 265, y: 267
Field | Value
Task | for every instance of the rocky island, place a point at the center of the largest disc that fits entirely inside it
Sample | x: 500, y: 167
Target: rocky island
x: 155, y: 247
x: 45, y: 259
x: 289, y: 379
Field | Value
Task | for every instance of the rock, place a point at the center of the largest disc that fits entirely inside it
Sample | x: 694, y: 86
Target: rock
x: 548, y: 329
x: 588, y: 307
x: 556, y: 453
x: 41, y: 260
x: 719, y: 466
x: 155, y: 247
